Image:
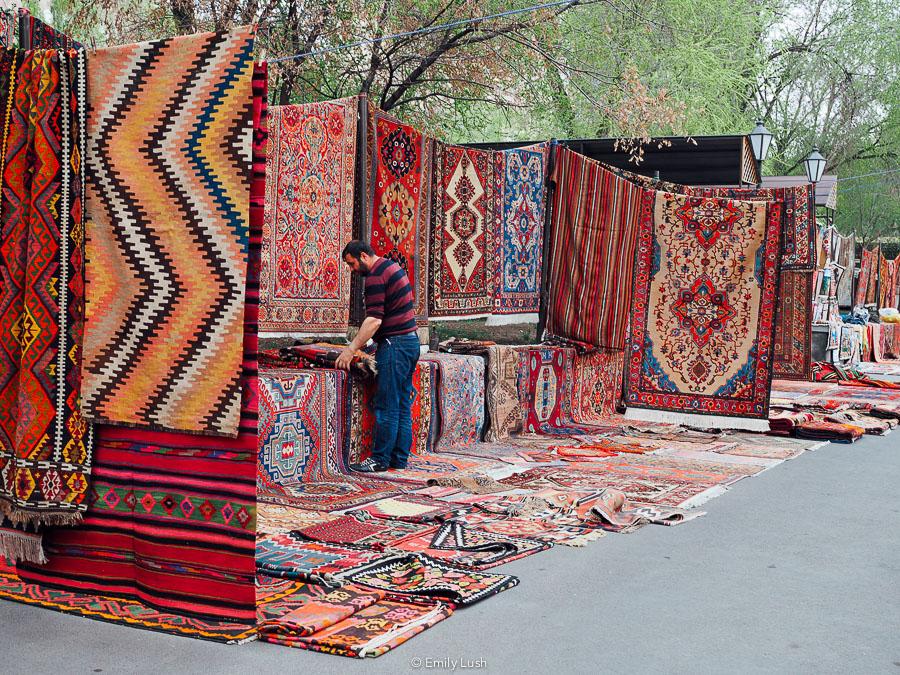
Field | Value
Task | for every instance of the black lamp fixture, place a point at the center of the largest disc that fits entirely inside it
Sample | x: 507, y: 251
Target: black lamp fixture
x: 815, y: 166
x: 760, y: 142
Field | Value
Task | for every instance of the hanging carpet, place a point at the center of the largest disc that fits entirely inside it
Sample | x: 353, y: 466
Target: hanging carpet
x: 520, y: 240
x: 160, y: 497
x: 593, y: 233
x: 400, y: 165
x: 45, y: 444
x: 792, y: 355
x: 304, y: 284
x: 703, y: 315
x: 463, y: 275
x: 868, y: 273
x: 167, y: 237
x: 798, y: 212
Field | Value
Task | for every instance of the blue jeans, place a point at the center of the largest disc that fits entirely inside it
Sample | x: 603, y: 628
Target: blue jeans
x: 396, y: 358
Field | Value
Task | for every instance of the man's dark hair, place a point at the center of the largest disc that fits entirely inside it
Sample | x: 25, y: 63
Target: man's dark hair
x: 356, y: 248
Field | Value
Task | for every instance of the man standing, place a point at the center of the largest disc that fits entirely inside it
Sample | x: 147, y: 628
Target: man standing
x: 390, y: 321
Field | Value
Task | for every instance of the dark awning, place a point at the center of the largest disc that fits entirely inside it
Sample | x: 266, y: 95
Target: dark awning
x: 700, y: 160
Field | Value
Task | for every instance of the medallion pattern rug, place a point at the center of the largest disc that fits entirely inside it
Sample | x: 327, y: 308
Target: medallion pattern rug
x: 464, y: 227
x: 301, y: 426
x: 400, y: 180
x: 523, y: 194
x: 311, y: 164
x: 704, y: 309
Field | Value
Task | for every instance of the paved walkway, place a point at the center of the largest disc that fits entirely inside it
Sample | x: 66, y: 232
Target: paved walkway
x: 795, y: 570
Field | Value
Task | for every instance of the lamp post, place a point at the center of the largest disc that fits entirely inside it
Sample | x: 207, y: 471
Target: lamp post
x: 760, y: 142
x: 815, y: 165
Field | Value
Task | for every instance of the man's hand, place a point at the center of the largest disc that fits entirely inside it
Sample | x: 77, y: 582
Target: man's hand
x: 344, y: 359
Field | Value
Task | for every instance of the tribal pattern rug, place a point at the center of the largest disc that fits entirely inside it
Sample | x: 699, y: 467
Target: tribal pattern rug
x: 417, y: 575
x: 522, y: 182
x: 425, y: 422
x: 292, y: 609
x: 290, y: 556
x: 460, y: 399
x: 169, y: 527
x: 463, y: 277
x: 45, y: 444
x: 119, y: 610
x: 703, y: 316
x: 178, y: 509
x: 334, y: 495
x: 593, y: 233
x: 545, y: 389
x: 305, y: 286
x: 597, y: 386
x: 469, y: 547
x: 400, y: 161
x: 505, y: 413
x: 616, y: 514
x: 301, y: 426
x: 281, y: 518
x: 370, y: 631
x: 168, y: 241
x: 792, y: 356
x: 358, y: 528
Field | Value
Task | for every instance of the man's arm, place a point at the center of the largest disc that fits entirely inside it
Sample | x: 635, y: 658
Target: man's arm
x: 369, y: 327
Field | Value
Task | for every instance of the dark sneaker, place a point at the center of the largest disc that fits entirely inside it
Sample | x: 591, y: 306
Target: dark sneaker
x: 397, y: 466
x: 368, y: 466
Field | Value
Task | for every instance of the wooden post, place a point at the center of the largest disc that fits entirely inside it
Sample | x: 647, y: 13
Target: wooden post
x: 545, y: 253
x: 361, y: 214
x: 24, y: 30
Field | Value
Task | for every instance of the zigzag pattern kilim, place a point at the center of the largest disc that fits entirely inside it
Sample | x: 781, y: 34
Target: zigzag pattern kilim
x: 169, y: 147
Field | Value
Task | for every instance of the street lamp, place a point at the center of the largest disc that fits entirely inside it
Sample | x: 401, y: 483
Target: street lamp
x: 815, y: 166
x: 760, y: 142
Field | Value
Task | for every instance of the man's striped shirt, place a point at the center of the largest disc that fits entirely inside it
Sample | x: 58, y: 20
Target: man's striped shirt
x: 389, y: 297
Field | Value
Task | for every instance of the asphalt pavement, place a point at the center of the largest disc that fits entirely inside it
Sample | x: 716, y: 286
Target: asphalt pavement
x: 795, y: 570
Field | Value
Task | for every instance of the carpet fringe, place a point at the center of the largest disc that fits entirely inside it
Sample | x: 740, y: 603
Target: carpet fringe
x: 36, y: 517
x: 25, y: 546
x: 701, y: 421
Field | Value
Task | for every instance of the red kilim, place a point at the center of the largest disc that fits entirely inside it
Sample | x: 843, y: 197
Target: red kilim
x: 45, y: 445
